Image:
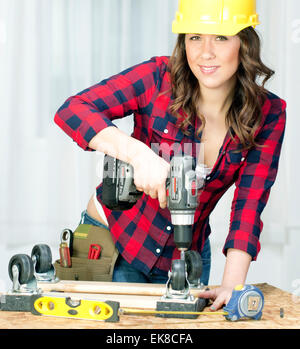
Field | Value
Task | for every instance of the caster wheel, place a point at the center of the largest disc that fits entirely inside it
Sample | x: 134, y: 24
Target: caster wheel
x: 43, y: 256
x: 194, y: 265
x: 25, y: 266
x: 178, y: 275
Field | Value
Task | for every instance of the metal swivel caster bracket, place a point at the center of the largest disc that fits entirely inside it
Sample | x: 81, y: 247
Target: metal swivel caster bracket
x: 178, y: 286
x: 44, y: 271
x: 21, y: 273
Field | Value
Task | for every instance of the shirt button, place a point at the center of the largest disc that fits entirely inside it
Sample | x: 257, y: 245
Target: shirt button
x: 166, y: 130
x: 157, y: 250
x: 242, y: 159
x: 208, y: 178
x: 169, y: 227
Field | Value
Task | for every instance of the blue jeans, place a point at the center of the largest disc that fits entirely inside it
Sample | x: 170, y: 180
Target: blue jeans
x: 87, y: 219
x: 124, y: 272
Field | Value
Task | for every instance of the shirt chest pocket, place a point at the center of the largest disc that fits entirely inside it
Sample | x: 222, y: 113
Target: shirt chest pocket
x: 166, y: 139
x: 234, y: 160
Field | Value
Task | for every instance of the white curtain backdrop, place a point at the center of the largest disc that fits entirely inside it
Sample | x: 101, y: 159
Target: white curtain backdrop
x: 51, y: 49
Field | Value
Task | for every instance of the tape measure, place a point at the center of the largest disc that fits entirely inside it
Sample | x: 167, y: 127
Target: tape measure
x: 246, y: 302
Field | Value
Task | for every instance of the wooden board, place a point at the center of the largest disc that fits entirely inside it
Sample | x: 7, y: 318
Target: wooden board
x: 274, y: 300
x: 108, y: 288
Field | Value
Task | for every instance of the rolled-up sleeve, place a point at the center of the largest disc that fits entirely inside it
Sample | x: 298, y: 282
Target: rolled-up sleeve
x: 254, y: 182
x: 84, y: 115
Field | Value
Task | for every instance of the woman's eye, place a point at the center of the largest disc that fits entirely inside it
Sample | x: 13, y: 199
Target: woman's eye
x: 195, y: 37
x: 223, y: 38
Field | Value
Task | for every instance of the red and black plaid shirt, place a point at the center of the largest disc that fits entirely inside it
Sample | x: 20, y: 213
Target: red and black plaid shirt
x: 143, y: 234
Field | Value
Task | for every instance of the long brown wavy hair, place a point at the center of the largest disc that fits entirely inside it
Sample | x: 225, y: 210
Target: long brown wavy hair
x: 244, y: 115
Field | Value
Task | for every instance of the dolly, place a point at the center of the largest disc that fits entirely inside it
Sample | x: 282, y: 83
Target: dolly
x: 28, y: 295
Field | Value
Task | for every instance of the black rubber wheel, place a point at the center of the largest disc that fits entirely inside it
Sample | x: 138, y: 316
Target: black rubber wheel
x: 25, y: 266
x: 43, y: 257
x: 193, y: 262
x: 178, y: 275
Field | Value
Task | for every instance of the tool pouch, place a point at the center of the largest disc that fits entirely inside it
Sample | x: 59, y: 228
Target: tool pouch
x: 85, y: 269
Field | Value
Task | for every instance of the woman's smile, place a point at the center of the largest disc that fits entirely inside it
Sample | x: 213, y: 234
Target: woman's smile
x: 208, y: 69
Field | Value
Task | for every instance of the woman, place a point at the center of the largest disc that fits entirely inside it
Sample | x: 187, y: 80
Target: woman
x: 206, y: 94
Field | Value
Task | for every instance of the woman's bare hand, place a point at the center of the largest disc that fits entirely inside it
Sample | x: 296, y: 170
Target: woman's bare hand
x: 150, y: 174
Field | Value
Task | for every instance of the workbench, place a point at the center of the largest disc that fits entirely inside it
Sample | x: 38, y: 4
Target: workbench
x: 271, y: 319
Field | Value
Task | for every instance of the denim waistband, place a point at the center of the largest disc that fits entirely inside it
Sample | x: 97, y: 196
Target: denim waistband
x: 87, y: 219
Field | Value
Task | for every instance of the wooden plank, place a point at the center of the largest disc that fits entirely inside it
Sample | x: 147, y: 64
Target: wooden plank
x: 108, y: 288
x: 103, y: 287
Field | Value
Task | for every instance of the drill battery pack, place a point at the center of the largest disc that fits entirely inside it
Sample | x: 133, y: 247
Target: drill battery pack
x: 118, y: 191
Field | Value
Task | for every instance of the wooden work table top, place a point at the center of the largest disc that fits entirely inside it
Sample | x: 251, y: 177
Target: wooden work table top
x: 274, y: 300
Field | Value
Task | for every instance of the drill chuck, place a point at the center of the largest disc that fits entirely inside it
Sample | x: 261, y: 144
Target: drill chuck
x: 183, y: 236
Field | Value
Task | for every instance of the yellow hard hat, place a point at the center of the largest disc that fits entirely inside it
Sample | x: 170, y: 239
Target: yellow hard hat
x: 218, y: 17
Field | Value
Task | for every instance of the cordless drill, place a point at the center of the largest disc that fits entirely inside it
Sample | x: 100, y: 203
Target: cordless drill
x: 119, y: 193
